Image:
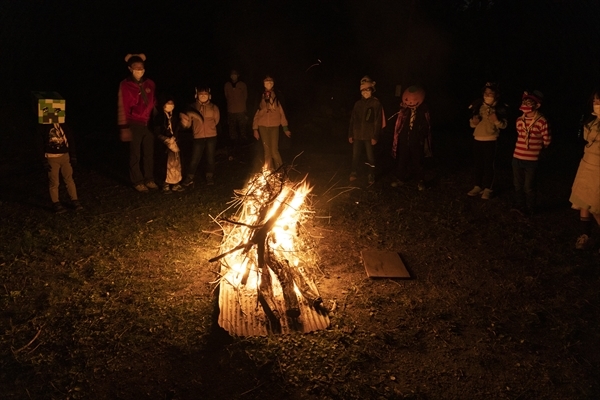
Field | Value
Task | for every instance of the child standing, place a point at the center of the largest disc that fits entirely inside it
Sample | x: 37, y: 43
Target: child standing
x: 488, y: 118
x: 366, y: 123
x: 412, y: 137
x: 166, y: 129
x: 533, y: 136
x: 59, y: 157
x: 268, y: 118
x: 203, y: 116
x: 585, y: 194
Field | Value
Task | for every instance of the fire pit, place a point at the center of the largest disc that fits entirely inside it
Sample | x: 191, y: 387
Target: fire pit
x: 268, y: 260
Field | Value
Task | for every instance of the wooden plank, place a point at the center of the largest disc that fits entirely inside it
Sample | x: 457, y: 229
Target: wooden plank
x: 384, y: 264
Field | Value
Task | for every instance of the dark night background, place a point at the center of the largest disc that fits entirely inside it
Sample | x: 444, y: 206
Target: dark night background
x: 450, y: 46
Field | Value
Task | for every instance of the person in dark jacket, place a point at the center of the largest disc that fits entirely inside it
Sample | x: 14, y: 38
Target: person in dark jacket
x: 166, y: 129
x: 412, y: 137
x: 366, y: 122
x: 58, y: 150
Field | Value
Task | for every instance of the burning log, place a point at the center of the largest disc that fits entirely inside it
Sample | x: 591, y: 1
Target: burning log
x: 264, y: 256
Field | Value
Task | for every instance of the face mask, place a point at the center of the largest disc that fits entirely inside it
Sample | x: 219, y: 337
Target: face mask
x: 203, y: 98
x: 138, y: 73
x: 596, y: 109
x: 268, y: 85
x: 526, y: 109
x: 169, y: 107
x: 366, y: 94
x: 489, y: 100
x: 234, y: 78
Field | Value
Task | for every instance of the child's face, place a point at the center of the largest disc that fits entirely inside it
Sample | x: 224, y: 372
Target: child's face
x: 268, y: 84
x: 366, y: 93
x: 596, y: 100
x: 489, y: 96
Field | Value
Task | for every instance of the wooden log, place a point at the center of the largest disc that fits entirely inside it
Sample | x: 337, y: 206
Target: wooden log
x: 287, y: 285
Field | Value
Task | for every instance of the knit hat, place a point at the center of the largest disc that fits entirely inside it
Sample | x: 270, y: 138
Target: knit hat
x: 367, y: 83
x: 536, y: 96
x: 133, y: 58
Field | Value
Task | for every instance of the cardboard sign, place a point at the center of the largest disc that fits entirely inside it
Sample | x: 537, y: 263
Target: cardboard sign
x: 50, y: 107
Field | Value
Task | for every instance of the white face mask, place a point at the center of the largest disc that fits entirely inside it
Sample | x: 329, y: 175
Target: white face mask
x: 203, y: 98
x: 138, y: 73
x: 596, y: 109
x: 366, y: 94
x: 268, y: 85
x: 169, y: 107
x: 489, y: 100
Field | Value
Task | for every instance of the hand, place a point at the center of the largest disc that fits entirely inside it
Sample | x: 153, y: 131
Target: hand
x: 185, y: 120
x: 288, y: 133
x: 126, y: 135
x: 256, y: 134
x: 475, y: 120
x: 493, y: 118
x: 351, y: 140
x: 373, y: 142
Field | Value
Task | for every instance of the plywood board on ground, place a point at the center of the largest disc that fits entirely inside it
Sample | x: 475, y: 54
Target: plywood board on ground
x: 384, y: 264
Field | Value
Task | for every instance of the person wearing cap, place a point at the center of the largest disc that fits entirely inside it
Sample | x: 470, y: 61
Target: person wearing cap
x: 533, y: 135
x: 203, y: 117
x: 366, y: 122
x: 488, y: 118
x: 136, y: 102
x: 236, y: 94
x: 585, y: 193
x: 267, y: 119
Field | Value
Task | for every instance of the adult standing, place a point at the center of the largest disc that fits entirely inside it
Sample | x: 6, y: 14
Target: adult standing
x: 135, y: 105
x: 268, y: 118
x: 236, y: 94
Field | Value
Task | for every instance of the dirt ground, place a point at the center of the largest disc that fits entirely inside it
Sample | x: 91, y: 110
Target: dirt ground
x: 117, y: 301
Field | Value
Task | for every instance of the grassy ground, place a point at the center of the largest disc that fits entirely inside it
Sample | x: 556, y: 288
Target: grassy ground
x: 117, y: 301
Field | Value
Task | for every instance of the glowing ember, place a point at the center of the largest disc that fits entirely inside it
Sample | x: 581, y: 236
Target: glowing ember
x: 268, y: 261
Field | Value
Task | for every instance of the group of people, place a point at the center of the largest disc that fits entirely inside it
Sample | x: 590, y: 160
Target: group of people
x: 136, y: 116
x: 411, y: 140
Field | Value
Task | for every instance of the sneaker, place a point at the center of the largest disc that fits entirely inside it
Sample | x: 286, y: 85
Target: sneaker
x: 151, y: 185
x: 487, y: 194
x: 77, y: 205
x: 58, y: 208
x: 583, y: 242
x: 177, y: 188
x: 166, y: 188
x: 188, y: 181
x: 353, y: 177
x: 141, y: 188
x: 475, y: 191
x: 397, y: 183
x: 421, y: 186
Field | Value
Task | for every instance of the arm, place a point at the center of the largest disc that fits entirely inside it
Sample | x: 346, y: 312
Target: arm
x: 377, y: 121
x: 217, y: 114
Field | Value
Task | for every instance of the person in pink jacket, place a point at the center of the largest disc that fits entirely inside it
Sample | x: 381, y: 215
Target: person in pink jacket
x: 203, y: 117
x: 268, y: 118
x: 135, y: 105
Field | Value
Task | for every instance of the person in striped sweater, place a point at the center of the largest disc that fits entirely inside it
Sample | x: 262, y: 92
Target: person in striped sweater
x: 533, y: 136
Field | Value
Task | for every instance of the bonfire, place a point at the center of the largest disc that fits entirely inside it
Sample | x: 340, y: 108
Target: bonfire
x: 268, y: 261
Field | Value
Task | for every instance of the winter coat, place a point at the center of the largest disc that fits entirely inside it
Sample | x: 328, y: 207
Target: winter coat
x: 136, y: 101
x: 366, y: 119
x: 270, y: 113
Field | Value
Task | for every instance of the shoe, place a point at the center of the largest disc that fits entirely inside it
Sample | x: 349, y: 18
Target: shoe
x: 583, y: 242
x: 166, y: 189
x: 475, y: 191
x: 397, y: 183
x: 151, y: 185
x: 188, y: 181
x: 421, y: 186
x: 353, y: 177
x: 141, y: 188
x: 210, y: 180
x: 77, y: 205
x: 487, y: 194
x: 177, y: 188
x: 58, y: 208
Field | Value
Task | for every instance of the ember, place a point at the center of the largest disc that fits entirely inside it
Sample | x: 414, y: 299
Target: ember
x: 268, y: 261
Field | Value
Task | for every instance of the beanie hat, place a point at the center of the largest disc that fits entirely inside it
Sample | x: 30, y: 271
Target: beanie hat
x: 536, y: 96
x: 366, y: 83
x: 133, y: 58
